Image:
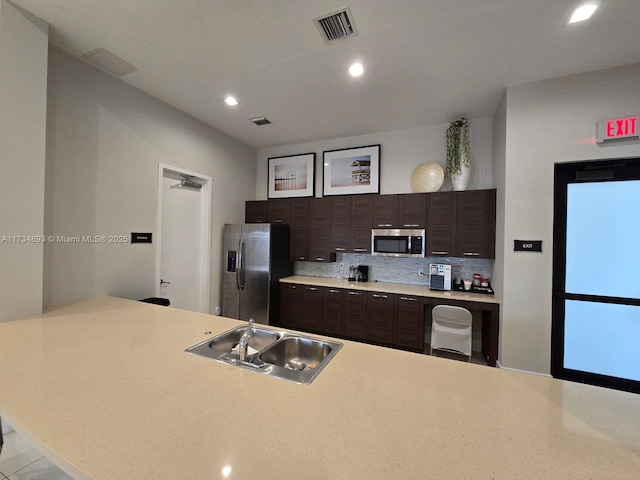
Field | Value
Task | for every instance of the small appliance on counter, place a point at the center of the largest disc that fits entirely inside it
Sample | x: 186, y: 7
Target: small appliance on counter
x: 458, y: 285
x: 439, y: 276
x: 363, y: 273
x: 353, y: 273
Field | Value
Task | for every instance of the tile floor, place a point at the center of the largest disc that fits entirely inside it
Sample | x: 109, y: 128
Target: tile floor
x: 19, y: 461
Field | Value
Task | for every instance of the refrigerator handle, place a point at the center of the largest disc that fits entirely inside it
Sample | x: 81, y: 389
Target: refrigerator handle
x: 240, y: 272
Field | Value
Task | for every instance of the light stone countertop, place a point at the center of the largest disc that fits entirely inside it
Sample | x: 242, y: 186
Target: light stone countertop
x: 397, y: 288
x: 106, y: 391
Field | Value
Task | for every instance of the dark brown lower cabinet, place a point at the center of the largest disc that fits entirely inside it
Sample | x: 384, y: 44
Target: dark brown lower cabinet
x: 332, y: 311
x: 291, y: 305
x: 410, y: 322
x: 381, y: 317
x: 355, y: 314
x: 376, y: 317
x: 312, y: 308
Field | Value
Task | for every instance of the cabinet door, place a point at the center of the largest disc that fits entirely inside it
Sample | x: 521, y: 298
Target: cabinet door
x: 279, y: 211
x: 312, y: 308
x: 381, y: 317
x: 441, y: 224
x: 299, y: 231
x: 332, y: 299
x: 385, y: 211
x: 361, y: 213
x: 412, y: 210
x: 476, y: 223
x: 410, y: 322
x: 256, y: 211
x: 355, y: 314
x: 340, y: 223
x: 320, y: 230
x: 291, y: 305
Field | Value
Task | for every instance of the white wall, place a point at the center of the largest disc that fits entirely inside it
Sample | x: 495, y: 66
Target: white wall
x: 105, y: 140
x: 549, y: 122
x: 23, y: 90
x: 401, y: 152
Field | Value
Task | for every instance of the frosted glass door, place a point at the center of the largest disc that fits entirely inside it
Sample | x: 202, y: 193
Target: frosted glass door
x: 603, y: 239
x: 602, y: 338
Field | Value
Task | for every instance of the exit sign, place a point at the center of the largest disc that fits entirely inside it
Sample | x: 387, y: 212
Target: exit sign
x: 617, y: 129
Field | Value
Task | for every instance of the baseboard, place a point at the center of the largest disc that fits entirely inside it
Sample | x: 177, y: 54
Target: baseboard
x: 6, y: 428
x: 523, y: 371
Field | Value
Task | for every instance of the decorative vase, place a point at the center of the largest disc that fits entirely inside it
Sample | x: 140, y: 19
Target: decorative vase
x: 460, y: 181
x: 427, y: 177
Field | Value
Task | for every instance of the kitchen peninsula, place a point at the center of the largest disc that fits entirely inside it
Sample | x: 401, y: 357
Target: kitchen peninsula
x: 106, y: 391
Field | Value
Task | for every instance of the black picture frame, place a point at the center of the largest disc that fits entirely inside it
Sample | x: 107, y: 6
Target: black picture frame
x: 292, y: 176
x: 350, y: 171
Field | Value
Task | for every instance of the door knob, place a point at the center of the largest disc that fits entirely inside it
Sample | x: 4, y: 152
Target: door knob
x: 162, y: 282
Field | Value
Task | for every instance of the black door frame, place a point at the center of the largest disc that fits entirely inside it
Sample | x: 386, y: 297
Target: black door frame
x: 565, y: 174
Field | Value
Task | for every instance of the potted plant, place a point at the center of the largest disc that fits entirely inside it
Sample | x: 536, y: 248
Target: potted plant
x: 457, y: 166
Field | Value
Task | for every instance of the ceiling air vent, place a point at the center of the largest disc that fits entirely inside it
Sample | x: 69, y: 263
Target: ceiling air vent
x: 260, y: 120
x: 109, y: 62
x: 336, y: 25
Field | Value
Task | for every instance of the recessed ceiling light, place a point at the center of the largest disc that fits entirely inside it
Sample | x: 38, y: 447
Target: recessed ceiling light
x: 231, y: 101
x: 356, y: 69
x: 583, y: 12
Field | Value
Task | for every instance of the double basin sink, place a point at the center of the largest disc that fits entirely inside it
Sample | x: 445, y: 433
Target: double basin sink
x: 281, y: 354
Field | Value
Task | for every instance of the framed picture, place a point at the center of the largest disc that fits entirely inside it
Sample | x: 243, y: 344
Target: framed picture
x: 292, y: 176
x: 351, y: 170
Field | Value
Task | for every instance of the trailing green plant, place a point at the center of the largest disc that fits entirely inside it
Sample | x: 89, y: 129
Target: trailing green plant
x: 457, y: 144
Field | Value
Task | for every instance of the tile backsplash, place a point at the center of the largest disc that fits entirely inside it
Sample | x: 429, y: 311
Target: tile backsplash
x: 395, y: 270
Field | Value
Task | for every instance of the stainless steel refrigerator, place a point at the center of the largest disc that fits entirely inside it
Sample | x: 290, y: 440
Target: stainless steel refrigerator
x: 256, y: 257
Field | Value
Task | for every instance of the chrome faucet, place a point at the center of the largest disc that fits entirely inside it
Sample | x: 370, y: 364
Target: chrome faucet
x: 243, y: 345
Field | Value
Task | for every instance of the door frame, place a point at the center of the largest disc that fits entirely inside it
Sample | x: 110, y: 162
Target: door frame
x: 205, y: 224
x: 566, y: 173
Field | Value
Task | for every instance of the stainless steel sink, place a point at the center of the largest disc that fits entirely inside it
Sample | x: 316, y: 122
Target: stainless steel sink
x: 227, y: 341
x: 293, y: 357
x: 297, y: 353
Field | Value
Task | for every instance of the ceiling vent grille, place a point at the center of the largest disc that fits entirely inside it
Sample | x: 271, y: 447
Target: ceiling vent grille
x: 109, y: 62
x: 336, y: 25
x: 260, y: 120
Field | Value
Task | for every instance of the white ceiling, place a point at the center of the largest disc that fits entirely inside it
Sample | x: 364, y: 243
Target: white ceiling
x: 426, y: 61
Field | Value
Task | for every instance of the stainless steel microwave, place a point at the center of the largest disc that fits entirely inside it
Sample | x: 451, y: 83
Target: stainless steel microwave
x: 398, y: 242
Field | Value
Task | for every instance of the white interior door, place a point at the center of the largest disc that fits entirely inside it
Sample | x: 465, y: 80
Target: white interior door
x: 184, y: 240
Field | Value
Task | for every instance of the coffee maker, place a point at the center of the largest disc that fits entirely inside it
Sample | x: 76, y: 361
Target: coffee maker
x: 439, y: 276
x: 363, y: 273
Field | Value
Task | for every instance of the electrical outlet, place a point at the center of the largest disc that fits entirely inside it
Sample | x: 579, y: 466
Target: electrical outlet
x: 421, y: 271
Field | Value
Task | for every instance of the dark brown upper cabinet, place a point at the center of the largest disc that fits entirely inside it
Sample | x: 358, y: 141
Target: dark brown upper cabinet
x: 341, y: 208
x: 476, y: 223
x: 412, y: 210
x: 299, y: 230
x: 256, y: 211
x: 385, y: 211
x: 361, y: 215
x: 280, y: 210
x: 320, y: 230
x: 441, y: 224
